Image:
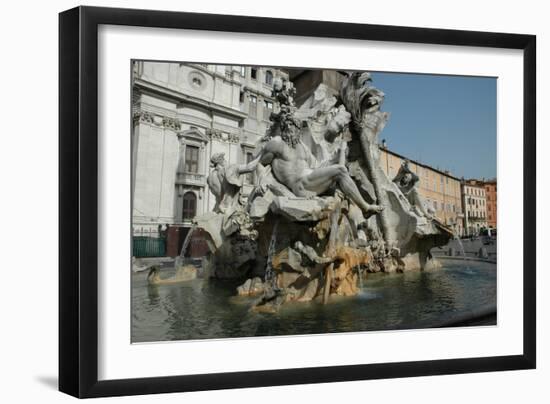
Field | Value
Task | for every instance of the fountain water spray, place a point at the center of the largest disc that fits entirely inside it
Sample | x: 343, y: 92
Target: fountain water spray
x: 269, y: 273
x: 461, y: 245
x: 180, y: 259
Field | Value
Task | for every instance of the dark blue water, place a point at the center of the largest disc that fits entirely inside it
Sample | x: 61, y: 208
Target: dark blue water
x: 203, y: 309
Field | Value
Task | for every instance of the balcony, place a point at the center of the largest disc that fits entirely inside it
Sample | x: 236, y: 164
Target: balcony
x: 186, y: 178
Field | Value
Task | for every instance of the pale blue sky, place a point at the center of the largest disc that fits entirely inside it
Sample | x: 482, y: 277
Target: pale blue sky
x: 448, y: 122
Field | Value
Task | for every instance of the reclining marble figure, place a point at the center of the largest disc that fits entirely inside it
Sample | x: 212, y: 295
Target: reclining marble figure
x: 294, y: 166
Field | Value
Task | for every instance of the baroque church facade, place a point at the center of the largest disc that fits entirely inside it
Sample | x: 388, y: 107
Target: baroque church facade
x: 183, y: 114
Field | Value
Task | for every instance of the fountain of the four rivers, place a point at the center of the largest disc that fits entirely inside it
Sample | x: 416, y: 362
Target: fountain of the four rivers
x: 322, y: 214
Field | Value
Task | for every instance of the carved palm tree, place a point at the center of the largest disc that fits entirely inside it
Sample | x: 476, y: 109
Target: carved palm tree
x: 363, y: 101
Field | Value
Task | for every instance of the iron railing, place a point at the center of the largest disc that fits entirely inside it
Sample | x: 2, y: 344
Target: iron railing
x: 148, y: 243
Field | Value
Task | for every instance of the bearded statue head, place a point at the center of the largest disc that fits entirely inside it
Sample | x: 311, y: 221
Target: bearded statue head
x: 285, y: 125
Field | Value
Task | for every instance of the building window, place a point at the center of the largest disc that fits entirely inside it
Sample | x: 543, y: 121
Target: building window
x: 243, y: 71
x: 191, y: 159
x: 268, y: 78
x: 253, y: 105
x: 189, y: 210
x: 228, y: 72
x: 253, y: 73
x: 250, y: 176
x: 241, y: 97
x: 268, y: 109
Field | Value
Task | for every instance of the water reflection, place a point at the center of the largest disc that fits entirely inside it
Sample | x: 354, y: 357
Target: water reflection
x: 209, y: 309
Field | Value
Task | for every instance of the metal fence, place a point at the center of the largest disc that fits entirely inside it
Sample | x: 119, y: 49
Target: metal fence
x: 148, y: 243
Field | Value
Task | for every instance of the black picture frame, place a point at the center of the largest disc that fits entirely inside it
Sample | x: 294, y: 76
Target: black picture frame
x: 78, y: 201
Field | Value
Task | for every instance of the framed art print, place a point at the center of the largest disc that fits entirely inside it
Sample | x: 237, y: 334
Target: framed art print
x: 250, y: 201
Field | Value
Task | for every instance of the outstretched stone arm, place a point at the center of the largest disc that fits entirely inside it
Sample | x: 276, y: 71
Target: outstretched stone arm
x: 264, y: 157
x: 251, y: 166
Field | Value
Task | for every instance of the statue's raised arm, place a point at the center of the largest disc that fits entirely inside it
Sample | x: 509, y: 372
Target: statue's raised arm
x: 265, y: 156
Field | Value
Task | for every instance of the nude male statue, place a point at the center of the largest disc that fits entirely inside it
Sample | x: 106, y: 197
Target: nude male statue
x: 294, y: 166
x: 407, y: 182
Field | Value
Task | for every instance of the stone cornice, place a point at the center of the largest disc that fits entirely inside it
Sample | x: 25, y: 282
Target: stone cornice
x: 265, y: 92
x: 157, y: 120
x: 174, y: 124
x: 179, y: 97
x: 221, y: 136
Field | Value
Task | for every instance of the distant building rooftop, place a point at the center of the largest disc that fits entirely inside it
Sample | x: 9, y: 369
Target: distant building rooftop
x: 478, y: 183
x: 442, y: 172
x: 473, y: 183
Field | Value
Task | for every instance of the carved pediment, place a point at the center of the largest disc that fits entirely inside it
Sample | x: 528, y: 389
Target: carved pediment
x: 193, y: 134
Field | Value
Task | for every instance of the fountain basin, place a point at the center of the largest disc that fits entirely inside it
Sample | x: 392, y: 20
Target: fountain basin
x: 208, y: 308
